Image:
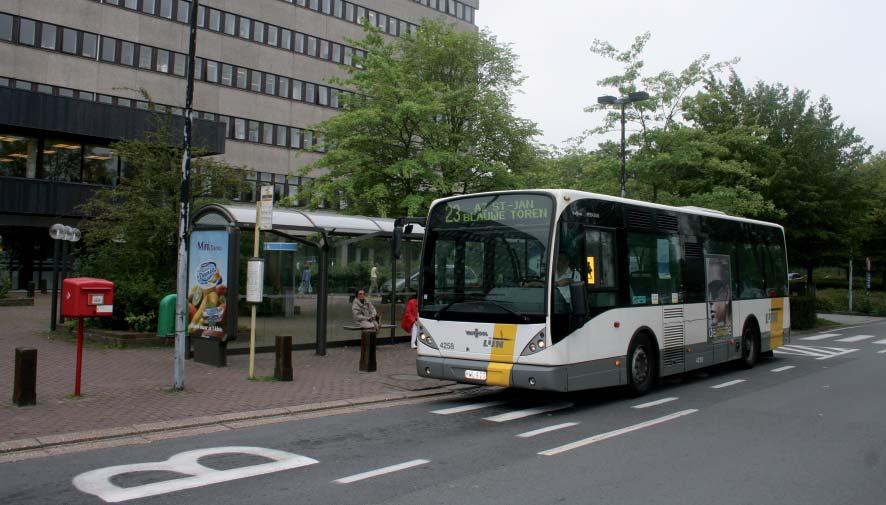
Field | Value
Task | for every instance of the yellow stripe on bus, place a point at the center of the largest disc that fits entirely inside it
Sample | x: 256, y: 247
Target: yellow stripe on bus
x: 501, y: 359
x: 776, y: 323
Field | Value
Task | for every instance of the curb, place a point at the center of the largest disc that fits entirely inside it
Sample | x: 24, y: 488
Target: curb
x: 144, y: 433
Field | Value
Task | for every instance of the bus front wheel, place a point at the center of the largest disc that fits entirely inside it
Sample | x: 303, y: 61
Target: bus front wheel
x: 642, y: 368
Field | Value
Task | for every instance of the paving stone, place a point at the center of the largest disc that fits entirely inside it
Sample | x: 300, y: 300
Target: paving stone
x: 129, y: 390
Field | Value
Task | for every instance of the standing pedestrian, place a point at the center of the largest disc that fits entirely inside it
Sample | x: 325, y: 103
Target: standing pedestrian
x: 305, y: 287
x: 373, y: 279
x: 409, y: 322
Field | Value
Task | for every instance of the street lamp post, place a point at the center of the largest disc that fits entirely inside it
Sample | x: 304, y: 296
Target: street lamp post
x: 59, y: 233
x: 181, y: 301
x: 636, y: 96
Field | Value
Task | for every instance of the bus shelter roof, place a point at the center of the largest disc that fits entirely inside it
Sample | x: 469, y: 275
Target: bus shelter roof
x: 297, y: 222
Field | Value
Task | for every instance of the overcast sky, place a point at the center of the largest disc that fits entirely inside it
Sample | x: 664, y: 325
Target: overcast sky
x: 833, y: 48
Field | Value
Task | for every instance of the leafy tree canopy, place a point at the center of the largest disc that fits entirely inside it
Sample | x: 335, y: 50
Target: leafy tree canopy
x: 430, y: 116
x: 132, y: 232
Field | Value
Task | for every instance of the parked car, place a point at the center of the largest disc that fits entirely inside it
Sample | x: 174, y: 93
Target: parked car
x: 471, y: 280
x: 794, y: 276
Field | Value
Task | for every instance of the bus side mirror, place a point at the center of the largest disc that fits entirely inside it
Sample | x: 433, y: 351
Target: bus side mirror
x: 578, y: 294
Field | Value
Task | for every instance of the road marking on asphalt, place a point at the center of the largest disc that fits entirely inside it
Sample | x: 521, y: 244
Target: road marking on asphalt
x: 654, y: 403
x: 727, y: 384
x: 615, y: 433
x: 98, y: 482
x: 520, y: 414
x: 880, y: 341
x: 822, y: 336
x: 882, y: 352
x: 816, y: 352
x: 539, y: 431
x: 856, y: 338
x: 782, y: 369
x: 382, y: 471
x: 465, y: 408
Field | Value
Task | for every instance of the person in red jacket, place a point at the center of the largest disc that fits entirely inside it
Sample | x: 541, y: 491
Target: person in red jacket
x: 410, y: 320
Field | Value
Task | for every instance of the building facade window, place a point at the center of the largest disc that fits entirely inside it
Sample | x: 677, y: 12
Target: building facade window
x: 109, y: 49
x: 69, y: 41
x: 48, y: 36
x: 5, y: 27
x: 90, y: 43
x: 27, y: 32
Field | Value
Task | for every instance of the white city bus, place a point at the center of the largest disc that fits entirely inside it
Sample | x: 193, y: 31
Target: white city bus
x: 571, y: 290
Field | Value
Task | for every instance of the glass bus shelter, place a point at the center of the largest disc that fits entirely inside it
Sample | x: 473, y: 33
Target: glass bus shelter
x: 314, y: 262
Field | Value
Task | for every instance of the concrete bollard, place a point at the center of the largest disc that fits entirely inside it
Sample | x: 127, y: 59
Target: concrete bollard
x: 283, y: 362
x: 24, y: 391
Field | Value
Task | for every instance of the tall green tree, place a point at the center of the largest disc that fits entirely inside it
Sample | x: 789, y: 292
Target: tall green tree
x: 430, y: 116
x: 814, y: 180
x: 663, y: 111
x: 131, y: 232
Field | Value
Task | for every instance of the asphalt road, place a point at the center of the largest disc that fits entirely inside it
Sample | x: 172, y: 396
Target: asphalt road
x: 807, y: 426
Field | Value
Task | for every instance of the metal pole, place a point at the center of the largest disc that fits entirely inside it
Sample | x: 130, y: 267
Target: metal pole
x: 63, y: 272
x: 181, y: 300
x: 850, y: 283
x: 623, y: 173
x: 256, y: 231
x: 322, y: 293
x: 79, y: 365
x: 55, y: 254
x: 394, y: 294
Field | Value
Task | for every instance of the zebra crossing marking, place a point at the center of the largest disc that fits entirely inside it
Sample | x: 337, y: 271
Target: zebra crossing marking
x: 856, y: 338
x: 654, y: 403
x: 822, y: 336
x: 539, y: 431
x: 880, y: 341
x: 466, y: 408
x: 520, y: 414
x: 819, y: 353
x: 783, y: 368
x: 727, y: 384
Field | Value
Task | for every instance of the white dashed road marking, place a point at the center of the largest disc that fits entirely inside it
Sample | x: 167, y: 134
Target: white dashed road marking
x: 822, y: 336
x: 727, y: 384
x: 519, y: 414
x: 880, y: 341
x: 615, y: 433
x: 856, y: 338
x: 465, y: 408
x: 382, y: 471
x: 654, y: 403
x: 782, y: 369
x: 546, y: 430
x: 882, y: 352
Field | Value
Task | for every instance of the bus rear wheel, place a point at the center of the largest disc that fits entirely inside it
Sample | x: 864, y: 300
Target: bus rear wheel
x: 642, y: 368
x: 750, y: 347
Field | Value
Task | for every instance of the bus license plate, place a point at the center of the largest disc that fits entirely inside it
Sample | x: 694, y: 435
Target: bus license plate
x: 475, y: 374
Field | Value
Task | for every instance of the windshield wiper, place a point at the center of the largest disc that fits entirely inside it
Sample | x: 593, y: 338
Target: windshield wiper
x: 523, y: 317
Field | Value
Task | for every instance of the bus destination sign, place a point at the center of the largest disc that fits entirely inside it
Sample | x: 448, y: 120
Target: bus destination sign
x: 502, y: 209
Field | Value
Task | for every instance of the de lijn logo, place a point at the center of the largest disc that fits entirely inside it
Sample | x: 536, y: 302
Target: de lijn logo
x: 98, y: 482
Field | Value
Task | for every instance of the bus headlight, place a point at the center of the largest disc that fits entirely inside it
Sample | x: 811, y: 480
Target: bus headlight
x: 536, y: 344
x: 425, y: 338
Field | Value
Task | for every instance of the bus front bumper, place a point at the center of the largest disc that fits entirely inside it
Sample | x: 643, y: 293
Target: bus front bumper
x: 549, y: 378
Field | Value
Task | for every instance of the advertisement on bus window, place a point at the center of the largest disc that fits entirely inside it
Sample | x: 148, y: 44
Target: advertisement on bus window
x: 719, y: 296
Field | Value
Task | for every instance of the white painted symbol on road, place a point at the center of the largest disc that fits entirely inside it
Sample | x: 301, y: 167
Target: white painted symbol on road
x: 98, y: 482
x: 783, y: 368
x: 654, y: 403
x: 727, y: 384
x: 520, y: 414
x: 465, y: 408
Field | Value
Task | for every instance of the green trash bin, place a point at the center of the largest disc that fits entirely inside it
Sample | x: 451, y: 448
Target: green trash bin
x: 166, y: 316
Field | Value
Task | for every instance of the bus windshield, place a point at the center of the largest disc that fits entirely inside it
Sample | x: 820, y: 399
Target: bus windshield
x: 486, y: 258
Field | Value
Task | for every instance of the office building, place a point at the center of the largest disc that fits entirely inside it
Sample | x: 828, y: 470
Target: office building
x: 76, y: 75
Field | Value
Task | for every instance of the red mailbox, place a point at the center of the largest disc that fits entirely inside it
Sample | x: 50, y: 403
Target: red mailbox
x: 87, y: 297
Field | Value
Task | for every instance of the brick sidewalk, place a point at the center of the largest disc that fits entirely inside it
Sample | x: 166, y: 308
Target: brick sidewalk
x: 122, y: 387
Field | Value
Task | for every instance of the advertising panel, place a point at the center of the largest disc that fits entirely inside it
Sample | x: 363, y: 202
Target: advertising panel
x: 208, y: 284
